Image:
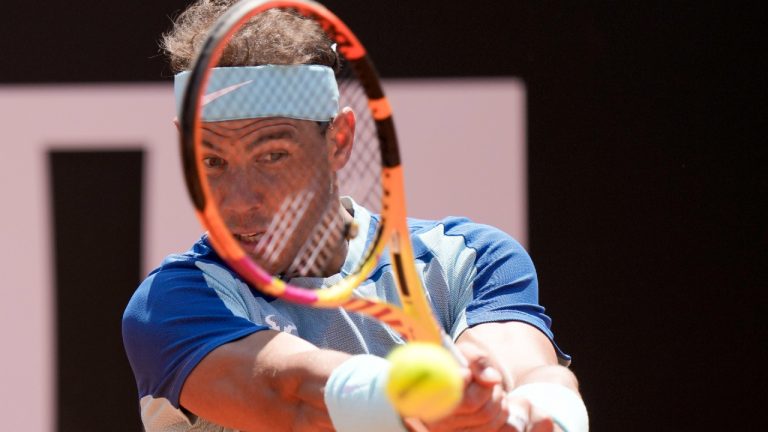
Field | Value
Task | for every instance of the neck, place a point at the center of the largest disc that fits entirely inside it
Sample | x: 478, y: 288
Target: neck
x: 341, y: 246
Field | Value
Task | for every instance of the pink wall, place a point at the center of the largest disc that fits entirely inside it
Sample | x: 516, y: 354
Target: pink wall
x: 466, y: 135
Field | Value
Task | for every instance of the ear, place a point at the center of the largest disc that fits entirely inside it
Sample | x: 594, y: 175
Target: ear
x: 177, y: 124
x: 341, y: 135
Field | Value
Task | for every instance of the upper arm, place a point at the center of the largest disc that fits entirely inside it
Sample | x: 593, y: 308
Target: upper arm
x: 192, y: 343
x: 267, y: 381
x: 518, y: 345
x: 502, y: 311
x: 172, y: 322
x: 496, y: 282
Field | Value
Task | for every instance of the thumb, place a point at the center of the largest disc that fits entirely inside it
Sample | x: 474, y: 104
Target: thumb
x: 480, y: 365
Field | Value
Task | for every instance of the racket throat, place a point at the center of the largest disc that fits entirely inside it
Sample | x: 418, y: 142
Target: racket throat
x: 398, y: 263
x: 397, y: 260
x: 412, y: 292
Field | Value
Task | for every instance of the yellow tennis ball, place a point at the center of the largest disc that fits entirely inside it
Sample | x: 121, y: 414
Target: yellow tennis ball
x: 424, y: 381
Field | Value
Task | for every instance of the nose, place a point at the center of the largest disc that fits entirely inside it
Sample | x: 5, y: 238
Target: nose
x: 240, y: 196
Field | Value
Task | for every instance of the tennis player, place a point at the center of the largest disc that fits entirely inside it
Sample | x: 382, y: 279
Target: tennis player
x: 209, y: 353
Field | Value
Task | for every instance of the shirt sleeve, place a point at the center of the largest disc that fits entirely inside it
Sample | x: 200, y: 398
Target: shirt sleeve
x: 176, y: 317
x: 502, y: 279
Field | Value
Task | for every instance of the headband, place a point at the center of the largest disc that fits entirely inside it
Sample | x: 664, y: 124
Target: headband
x: 303, y: 92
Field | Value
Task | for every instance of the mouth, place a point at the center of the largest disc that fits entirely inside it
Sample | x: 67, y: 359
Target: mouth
x: 248, y: 238
x: 251, y: 242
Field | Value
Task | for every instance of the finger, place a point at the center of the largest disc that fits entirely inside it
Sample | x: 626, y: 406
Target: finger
x: 475, y: 396
x: 518, y: 415
x: 312, y: 419
x: 482, y: 365
x: 485, y: 374
x: 492, y: 412
x: 544, y: 425
x: 415, y: 425
x: 541, y: 421
x: 501, y: 420
x: 490, y: 416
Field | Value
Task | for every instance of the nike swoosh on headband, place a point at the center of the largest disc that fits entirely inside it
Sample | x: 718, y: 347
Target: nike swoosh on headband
x: 210, y: 97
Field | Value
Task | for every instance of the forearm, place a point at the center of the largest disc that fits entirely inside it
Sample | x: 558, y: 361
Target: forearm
x: 278, y: 382
x: 299, y: 375
x: 267, y: 381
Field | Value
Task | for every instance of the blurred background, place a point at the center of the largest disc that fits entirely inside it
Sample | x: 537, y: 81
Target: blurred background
x: 629, y: 159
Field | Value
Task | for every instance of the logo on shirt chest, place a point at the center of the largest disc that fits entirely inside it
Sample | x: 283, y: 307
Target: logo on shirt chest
x: 272, y: 321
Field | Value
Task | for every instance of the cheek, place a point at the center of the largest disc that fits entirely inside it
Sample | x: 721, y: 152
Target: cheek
x: 313, y: 166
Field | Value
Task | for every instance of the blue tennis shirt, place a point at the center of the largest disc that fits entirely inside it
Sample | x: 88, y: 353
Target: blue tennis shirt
x: 193, y: 303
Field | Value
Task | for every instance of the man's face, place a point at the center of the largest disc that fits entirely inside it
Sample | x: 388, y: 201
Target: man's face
x: 272, y: 180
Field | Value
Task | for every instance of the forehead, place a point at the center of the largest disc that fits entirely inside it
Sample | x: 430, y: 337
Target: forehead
x: 248, y: 134
x: 236, y: 128
x: 251, y: 124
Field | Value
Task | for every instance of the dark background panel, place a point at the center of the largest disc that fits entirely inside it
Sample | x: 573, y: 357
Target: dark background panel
x: 647, y: 169
x: 96, y: 198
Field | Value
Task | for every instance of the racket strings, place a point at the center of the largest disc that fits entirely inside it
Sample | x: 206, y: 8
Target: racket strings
x: 277, y: 235
x: 315, y: 254
x: 361, y: 177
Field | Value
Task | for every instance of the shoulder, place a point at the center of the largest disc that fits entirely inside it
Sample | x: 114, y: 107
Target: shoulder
x: 188, y: 283
x: 185, y: 308
x: 475, y: 234
x: 201, y: 250
x: 457, y: 235
x: 176, y: 271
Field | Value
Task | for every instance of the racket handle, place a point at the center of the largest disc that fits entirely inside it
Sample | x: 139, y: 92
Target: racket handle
x: 451, y: 347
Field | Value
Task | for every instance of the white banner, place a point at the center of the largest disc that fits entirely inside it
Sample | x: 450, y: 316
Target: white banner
x: 463, y: 152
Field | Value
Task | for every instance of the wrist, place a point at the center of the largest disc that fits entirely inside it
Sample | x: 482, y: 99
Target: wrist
x: 563, y: 405
x: 356, y: 399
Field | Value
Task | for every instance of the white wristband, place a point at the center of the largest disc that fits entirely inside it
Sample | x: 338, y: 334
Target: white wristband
x: 563, y: 404
x: 355, y: 396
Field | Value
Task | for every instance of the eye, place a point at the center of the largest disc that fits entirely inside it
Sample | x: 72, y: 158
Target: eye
x: 273, y: 156
x: 214, y: 162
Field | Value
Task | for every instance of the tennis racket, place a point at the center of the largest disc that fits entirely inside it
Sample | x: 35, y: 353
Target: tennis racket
x: 268, y: 189
x: 372, y: 176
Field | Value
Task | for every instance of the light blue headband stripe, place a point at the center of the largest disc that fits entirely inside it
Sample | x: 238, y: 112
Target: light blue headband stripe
x: 304, y: 92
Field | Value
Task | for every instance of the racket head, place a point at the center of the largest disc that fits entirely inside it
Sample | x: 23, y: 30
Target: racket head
x: 295, y: 204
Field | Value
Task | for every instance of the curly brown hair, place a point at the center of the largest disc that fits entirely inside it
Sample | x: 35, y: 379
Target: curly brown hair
x: 274, y: 37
